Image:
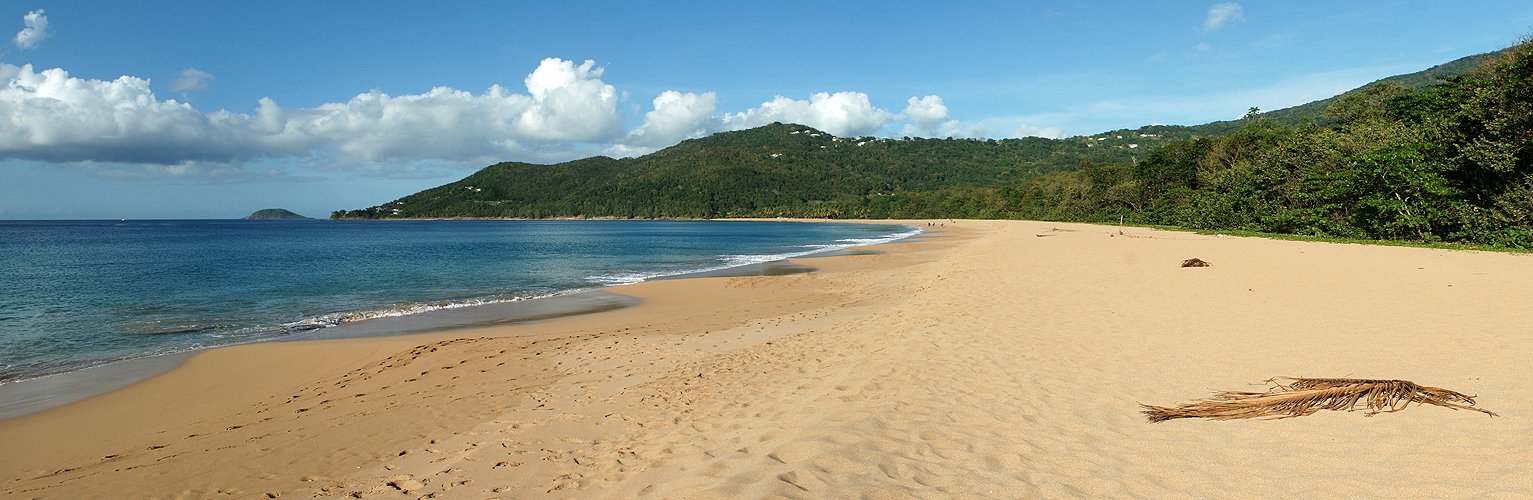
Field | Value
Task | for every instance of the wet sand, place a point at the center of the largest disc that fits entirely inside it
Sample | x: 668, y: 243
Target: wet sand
x: 28, y: 396
x: 1002, y: 360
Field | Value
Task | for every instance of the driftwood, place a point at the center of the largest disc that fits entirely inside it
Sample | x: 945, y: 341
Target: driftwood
x: 1305, y: 396
x: 1195, y: 262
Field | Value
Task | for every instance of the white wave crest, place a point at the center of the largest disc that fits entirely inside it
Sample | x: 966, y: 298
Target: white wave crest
x: 733, y: 261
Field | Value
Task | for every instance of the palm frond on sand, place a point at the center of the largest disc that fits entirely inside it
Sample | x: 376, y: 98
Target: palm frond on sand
x: 1305, y: 396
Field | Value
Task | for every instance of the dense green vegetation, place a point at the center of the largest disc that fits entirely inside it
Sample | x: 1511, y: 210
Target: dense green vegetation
x: 773, y: 168
x: 275, y: 213
x: 1453, y: 163
x: 1396, y: 160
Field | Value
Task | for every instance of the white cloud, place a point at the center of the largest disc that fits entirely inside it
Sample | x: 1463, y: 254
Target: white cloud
x: 53, y: 117
x: 1025, y: 130
x: 191, y: 79
x: 927, y: 112
x: 929, y: 118
x: 569, y: 103
x: 843, y: 113
x: 120, y: 129
x: 35, y: 32
x: 1223, y: 14
x: 949, y: 129
x: 676, y: 117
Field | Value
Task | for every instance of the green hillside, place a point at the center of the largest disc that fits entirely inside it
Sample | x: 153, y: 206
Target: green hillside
x: 787, y: 169
x: 751, y: 171
x: 274, y: 213
x: 1451, y: 163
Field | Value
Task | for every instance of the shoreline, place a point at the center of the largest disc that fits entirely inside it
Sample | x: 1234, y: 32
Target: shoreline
x: 29, y: 395
x: 989, y: 362
x: 58, y: 452
x: 23, y: 397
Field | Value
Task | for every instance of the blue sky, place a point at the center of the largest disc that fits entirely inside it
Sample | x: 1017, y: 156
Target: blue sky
x: 205, y: 110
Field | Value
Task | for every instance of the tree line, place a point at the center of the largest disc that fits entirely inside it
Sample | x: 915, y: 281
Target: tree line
x: 1450, y: 162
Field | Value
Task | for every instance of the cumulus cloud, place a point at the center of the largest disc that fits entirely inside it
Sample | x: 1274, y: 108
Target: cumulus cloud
x: 569, y: 103
x: 929, y: 118
x: 926, y: 113
x: 952, y: 129
x: 1025, y: 130
x: 50, y: 116
x: 1223, y: 14
x: 120, y: 129
x: 677, y: 117
x: 35, y: 32
x: 842, y: 113
x: 191, y: 79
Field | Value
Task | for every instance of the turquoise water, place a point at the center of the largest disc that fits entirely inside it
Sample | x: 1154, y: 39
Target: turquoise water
x: 83, y: 293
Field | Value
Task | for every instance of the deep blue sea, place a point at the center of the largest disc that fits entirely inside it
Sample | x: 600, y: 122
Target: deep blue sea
x: 82, y: 293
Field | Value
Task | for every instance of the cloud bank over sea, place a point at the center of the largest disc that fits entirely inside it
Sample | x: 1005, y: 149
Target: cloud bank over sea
x: 120, y: 128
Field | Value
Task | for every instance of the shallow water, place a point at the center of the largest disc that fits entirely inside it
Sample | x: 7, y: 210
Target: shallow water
x: 84, y: 293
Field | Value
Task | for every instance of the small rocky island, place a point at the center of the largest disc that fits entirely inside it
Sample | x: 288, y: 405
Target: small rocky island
x: 275, y: 213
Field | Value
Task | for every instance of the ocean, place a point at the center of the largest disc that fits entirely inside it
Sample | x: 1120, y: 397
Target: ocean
x: 79, y: 294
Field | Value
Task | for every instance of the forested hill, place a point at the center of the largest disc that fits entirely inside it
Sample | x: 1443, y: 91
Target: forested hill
x: 783, y: 169
x: 1449, y: 163
x: 759, y: 171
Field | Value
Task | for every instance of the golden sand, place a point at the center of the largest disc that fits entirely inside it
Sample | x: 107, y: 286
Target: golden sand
x: 997, y: 360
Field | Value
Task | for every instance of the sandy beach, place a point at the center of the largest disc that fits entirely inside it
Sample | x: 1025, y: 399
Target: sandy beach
x: 988, y: 359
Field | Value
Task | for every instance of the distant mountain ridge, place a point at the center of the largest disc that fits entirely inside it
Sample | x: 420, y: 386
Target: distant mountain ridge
x: 788, y: 168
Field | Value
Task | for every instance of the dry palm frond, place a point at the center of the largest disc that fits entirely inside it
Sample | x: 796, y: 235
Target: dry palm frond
x: 1305, y: 396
